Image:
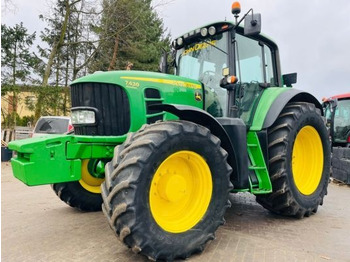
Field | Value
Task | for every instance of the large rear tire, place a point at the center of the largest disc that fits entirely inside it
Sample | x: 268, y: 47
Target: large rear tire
x: 84, y: 194
x: 299, y: 161
x: 166, y: 189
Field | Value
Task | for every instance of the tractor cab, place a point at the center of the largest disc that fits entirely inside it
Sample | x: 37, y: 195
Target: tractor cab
x: 337, y: 112
x: 218, y: 54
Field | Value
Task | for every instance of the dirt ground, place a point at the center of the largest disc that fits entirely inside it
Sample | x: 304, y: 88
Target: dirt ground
x: 37, y: 226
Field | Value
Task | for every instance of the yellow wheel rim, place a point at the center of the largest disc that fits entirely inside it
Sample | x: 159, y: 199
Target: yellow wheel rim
x: 180, y: 191
x: 87, y: 181
x: 307, y: 160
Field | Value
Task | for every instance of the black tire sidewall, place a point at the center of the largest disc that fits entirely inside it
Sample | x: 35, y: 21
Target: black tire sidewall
x: 75, y: 195
x: 205, y: 148
x: 309, y: 118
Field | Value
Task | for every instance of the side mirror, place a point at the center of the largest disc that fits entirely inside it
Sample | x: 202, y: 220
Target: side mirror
x: 163, y: 63
x: 289, y: 79
x: 252, y: 24
x: 333, y: 103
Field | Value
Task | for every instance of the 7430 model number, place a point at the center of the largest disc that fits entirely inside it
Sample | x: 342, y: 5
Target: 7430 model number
x: 132, y: 84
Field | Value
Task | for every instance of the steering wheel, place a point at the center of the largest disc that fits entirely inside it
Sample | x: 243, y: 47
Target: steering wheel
x: 209, y: 73
x: 206, y: 76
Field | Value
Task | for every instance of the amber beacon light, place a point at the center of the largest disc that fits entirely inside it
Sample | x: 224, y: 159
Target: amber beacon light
x: 236, y: 8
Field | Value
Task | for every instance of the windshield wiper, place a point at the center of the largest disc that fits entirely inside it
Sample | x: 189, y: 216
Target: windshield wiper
x: 205, y: 41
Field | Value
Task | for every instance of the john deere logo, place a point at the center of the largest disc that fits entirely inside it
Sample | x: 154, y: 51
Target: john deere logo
x: 198, y: 96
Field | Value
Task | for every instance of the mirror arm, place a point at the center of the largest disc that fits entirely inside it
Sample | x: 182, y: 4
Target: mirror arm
x: 240, y: 21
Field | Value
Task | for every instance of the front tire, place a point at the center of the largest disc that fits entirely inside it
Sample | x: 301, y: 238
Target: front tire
x: 166, y: 189
x: 299, y: 161
x: 85, y: 194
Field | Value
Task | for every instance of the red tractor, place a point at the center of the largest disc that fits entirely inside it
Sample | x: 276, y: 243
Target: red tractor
x: 337, y: 112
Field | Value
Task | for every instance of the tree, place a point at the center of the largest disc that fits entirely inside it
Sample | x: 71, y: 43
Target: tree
x: 82, y: 36
x: 17, y: 62
x: 130, y: 31
x: 70, y: 48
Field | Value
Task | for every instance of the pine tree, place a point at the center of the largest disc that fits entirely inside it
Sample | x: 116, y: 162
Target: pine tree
x: 130, y: 32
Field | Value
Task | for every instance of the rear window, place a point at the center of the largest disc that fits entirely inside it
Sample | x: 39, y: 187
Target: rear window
x: 52, y: 126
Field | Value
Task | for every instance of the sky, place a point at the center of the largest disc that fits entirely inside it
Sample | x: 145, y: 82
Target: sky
x: 313, y: 36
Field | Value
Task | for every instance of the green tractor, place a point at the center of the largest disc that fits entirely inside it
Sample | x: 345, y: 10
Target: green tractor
x: 161, y: 153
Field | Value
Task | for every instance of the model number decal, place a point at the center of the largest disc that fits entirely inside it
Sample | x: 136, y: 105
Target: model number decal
x: 161, y: 81
x: 132, y: 84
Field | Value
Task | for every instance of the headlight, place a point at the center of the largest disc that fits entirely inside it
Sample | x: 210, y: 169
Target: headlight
x: 82, y: 116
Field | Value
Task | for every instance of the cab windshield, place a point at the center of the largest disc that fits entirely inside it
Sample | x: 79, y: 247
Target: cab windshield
x: 342, y: 121
x: 204, y: 61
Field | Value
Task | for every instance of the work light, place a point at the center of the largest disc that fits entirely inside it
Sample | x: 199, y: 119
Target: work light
x: 204, y: 32
x: 212, y: 30
x: 180, y: 41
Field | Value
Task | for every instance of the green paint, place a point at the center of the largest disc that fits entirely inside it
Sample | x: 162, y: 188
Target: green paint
x: 42, y: 161
x: 55, y: 159
x: 258, y: 165
x: 266, y: 100
x: 96, y: 168
x: 100, y: 170
x: 173, y: 90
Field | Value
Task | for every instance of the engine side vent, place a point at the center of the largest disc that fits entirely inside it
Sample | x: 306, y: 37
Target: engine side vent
x: 152, y: 97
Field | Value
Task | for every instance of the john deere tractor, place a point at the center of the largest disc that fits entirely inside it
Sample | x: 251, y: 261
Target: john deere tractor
x: 161, y: 153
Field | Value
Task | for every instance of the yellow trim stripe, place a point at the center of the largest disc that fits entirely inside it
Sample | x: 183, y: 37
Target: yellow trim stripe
x: 165, y: 81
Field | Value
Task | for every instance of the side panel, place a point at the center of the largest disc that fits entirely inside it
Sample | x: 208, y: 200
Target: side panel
x: 172, y: 90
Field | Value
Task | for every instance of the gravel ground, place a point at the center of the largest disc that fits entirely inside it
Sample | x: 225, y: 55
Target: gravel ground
x: 37, y: 226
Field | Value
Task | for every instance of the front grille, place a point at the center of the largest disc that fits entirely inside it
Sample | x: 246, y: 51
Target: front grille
x: 112, y: 103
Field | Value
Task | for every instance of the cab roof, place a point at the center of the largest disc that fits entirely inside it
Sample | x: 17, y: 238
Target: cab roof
x: 339, y: 97
x: 240, y: 30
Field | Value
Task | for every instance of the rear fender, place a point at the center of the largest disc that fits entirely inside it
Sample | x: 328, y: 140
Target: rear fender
x: 276, y: 107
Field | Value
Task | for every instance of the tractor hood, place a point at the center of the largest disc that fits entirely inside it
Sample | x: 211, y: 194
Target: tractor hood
x: 126, y: 97
x: 134, y: 79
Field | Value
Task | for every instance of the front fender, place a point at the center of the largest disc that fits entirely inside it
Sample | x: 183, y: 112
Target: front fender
x: 236, y: 128
x: 197, y: 116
